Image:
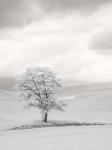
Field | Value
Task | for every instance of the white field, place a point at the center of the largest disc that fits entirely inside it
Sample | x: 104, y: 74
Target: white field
x: 63, y: 138
x: 94, y: 107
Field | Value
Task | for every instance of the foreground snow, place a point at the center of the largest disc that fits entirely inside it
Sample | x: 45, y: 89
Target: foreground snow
x: 58, y: 138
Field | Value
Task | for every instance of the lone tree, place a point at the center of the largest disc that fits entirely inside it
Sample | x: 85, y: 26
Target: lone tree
x: 38, y: 87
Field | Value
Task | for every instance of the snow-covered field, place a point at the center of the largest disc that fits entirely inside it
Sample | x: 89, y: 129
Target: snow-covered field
x: 91, y: 107
x: 94, y: 107
x: 63, y: 138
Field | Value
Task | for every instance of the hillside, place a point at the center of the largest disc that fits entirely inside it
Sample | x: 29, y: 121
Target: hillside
x: 87, y: 107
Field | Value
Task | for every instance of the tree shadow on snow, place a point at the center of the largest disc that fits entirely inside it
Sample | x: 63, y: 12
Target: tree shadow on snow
x: 39, y: 124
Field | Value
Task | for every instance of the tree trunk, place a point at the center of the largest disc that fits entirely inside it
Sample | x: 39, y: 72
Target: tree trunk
x: 44, y: 116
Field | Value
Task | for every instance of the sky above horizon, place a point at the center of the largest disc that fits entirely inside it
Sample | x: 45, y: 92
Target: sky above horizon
x: 72, y: 37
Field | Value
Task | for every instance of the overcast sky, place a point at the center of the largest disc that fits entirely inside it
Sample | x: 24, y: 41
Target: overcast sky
x: 72, y: 37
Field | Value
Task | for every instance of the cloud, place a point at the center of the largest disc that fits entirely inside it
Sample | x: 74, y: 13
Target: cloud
x: 101, y: 42
x: 60, y: 5
x: 65, y: 53
x: 59, y: 43
x: 11, y: 13
x: 16, y: 13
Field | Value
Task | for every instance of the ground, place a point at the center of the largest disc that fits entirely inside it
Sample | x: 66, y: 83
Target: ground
x: 94, y: 107
x: 58, y: 138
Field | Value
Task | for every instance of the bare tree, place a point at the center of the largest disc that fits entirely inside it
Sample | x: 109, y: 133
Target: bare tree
x: 38, y: 87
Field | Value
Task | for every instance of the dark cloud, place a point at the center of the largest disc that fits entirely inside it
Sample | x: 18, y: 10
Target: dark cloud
x: 102, y: 42
x: 14, y: 13
x: 60, y: 5
x: 21, y: 12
